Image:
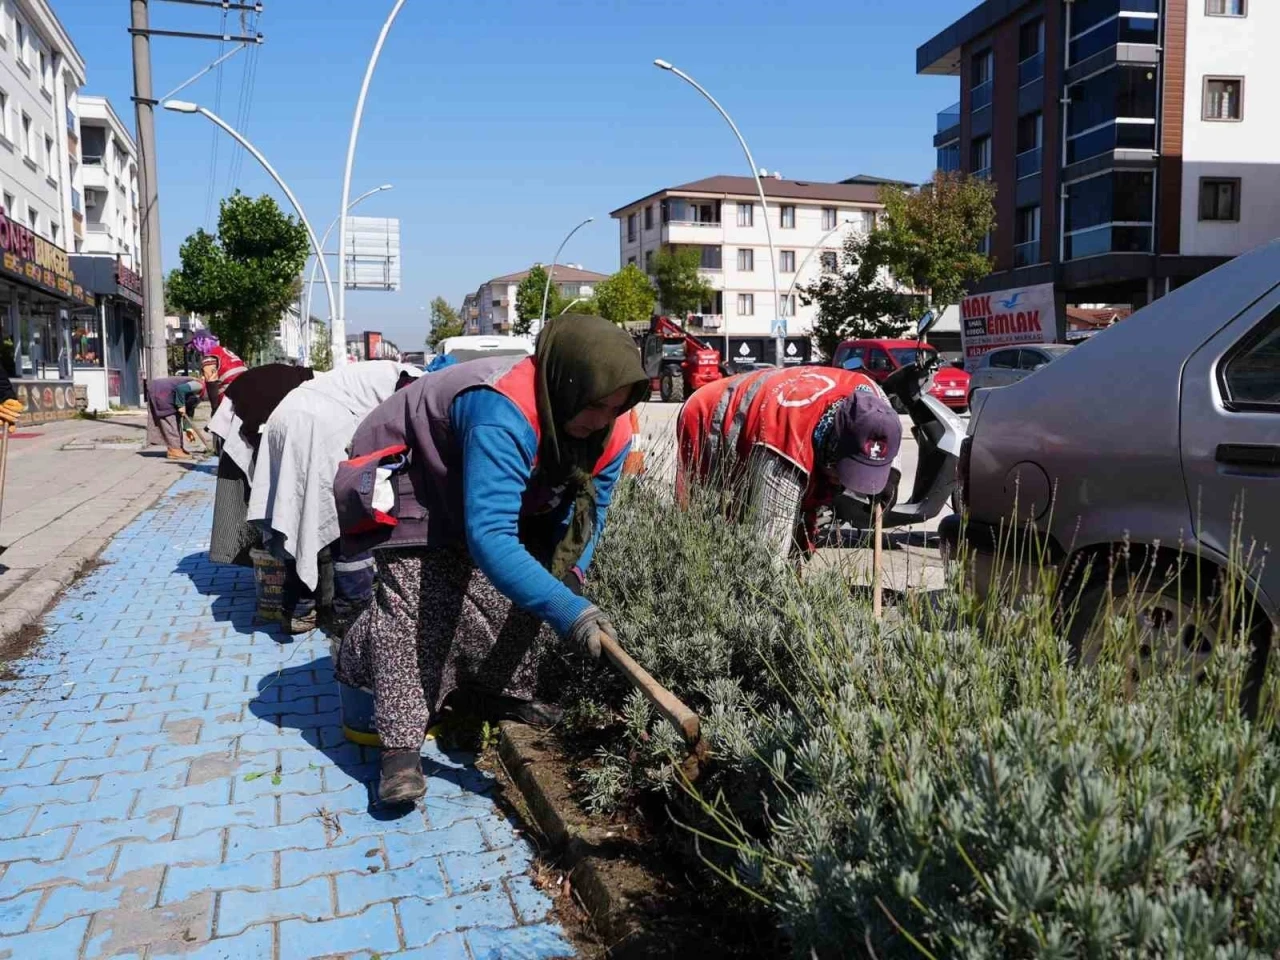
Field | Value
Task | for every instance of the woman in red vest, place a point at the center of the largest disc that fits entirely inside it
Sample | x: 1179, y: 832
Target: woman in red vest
x: 482, y: 490
x: 219, y: 365
x: 794, y: 438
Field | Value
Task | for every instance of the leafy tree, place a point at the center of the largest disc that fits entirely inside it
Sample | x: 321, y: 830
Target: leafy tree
x: 932, y: 235
x: 626, y: 297
x: 681, y: 288
x: 244, y: 278
x: 529, y: 301
x: 862, y: 300
x: 322, y: 349
x: 445, y: 322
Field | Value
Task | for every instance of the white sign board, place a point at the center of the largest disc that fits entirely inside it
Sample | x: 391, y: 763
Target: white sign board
x: 373, y: 253
x: 989, y: 321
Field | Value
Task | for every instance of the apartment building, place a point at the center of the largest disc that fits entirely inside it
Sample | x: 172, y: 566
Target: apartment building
x: 721, y: 216
x: 1130, y: 141
x: 492, y: 308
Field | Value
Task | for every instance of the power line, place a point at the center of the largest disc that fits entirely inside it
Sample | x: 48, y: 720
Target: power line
x: 214, y: 134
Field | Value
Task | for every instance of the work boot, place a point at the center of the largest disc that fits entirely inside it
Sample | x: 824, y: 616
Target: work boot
x: 496, y: 706
x: 401, y: 779
x: 299, y: 623
x: 180, y: 455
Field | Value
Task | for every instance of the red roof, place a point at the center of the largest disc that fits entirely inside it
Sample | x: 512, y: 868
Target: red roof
x: 726, y: 186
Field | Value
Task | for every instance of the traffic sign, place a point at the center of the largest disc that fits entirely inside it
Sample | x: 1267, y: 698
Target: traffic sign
x: 779, y: 327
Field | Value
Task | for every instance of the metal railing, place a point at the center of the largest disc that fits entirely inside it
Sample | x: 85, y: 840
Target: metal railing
x: 91, y: 159
x: 1025, y: 254
x: 1031, y: 69
x: 980, y: 97
x: 1028, y: 163
x: 949, y: 117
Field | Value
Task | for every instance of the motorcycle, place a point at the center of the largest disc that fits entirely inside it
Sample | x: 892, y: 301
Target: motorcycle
x: 938, y: 433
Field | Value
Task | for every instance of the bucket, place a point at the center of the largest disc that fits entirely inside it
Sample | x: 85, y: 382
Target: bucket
x: 268, y: 581
x: 357, y: 715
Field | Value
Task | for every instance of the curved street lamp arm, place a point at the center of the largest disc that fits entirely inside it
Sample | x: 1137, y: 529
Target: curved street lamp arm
x: 546, y: 288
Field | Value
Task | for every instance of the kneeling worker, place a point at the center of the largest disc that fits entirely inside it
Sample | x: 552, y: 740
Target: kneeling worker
x: 794, y: 438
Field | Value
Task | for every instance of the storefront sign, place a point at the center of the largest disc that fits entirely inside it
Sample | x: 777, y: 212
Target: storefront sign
x: 128, y: 283
x: 32, y: 260
x: 989, y: 321
x: 46, y: 399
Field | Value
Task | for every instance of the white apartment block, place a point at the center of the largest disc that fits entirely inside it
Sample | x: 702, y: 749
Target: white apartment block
x: 109, y: 182
x: 1231, y: 147
x: 492, y: 308
x: 722, y: 217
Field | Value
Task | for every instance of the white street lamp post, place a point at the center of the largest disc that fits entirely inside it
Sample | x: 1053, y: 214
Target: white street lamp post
x: 809, y: 256
x: 764, y: 206
x: 546, y: 289
x: 182, y: 106
x: 339, y: 325
x: 323, y: 241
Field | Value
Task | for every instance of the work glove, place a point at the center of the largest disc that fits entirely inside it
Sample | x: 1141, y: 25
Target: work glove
x: 10, y: 410
x: 588, y: 629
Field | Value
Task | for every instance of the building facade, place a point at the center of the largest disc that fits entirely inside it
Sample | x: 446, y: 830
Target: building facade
x: 1129, y: 140
x: 492, y: 308
x: 721, y: 216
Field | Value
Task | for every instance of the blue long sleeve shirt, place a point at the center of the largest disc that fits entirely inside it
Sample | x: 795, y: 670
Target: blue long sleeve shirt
x: 498, y: 451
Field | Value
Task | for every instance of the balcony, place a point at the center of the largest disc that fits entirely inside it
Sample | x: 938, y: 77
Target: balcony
x: 948, y: 118
x: 1108, y: 238
x: 1028, y: 163
x: 983, y: 174
x: 1025, y: 254
x: 1031, y: 69
x: 980, y: 97
x: 97, y: 226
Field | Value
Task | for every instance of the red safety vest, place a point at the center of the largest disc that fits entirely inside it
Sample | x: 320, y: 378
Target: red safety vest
x: 230, y: 366
x: 518, y: 386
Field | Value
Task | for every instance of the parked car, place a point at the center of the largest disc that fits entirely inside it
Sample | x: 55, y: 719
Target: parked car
x: 882, y: 357
x: 1140, y: 463
x: 472, y: 347
x: 999, y: 368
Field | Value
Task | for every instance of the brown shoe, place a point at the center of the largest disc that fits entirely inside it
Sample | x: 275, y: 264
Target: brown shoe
x: 401, y: 780
x: 180, y: 455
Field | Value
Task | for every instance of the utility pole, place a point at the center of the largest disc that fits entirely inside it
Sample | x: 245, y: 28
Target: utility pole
x: 148, y: 170
x: 152, y: 271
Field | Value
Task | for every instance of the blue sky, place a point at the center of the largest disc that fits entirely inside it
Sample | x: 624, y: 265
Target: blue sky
x: 503, y: 123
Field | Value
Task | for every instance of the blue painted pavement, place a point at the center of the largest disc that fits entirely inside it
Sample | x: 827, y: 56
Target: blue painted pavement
x: 174, y: 782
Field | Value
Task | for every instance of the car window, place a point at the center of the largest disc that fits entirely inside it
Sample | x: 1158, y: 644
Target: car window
x: 1252, y: 376
x: 1004, y: 360
x: 842, y: 354
x: 1030, y: 359
x: 878, y: 360
x: 905, y: 355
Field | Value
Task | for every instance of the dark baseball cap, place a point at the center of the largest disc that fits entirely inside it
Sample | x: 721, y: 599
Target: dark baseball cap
x: 867, y: 436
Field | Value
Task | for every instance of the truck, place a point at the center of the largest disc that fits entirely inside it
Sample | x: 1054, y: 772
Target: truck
x: 676, y: 362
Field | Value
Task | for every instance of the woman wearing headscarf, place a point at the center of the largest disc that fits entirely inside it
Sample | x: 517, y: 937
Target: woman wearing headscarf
x: 246, y: 405
x: 291, y: 490
x: 172, y: 401
x: 218, y: 365
x: 483, y: 489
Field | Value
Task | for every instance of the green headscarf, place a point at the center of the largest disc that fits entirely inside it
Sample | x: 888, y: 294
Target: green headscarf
x: 580, y: 360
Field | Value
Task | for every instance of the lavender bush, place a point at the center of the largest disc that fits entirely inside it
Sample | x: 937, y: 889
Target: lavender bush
x: 930, y: 788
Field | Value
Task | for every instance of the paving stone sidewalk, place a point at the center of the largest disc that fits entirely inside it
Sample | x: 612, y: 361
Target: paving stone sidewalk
x: 175, y: 782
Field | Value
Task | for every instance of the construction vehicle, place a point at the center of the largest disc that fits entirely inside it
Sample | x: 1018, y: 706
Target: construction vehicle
x: 676, y: 362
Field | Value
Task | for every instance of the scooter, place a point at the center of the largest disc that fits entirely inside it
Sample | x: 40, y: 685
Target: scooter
x: 939, y: 434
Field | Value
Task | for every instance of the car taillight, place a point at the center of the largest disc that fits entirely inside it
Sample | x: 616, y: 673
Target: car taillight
x: 962, y: 473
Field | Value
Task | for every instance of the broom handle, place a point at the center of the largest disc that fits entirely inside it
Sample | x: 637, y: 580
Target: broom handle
x: 679, y: 716
x: 877, y: 563
x: 4, y: 461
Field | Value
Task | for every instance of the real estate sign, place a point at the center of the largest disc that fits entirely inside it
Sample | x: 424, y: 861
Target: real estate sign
x: 989, y: 321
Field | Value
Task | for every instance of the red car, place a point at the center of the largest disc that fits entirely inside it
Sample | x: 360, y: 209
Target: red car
x: 882, y: 357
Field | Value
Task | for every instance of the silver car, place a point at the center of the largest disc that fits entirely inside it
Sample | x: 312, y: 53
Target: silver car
x: 1148, y: 443
x: 999, y: 368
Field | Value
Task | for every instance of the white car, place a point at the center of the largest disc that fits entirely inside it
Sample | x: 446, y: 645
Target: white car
x: 472, y: 348
x: 999, y: 368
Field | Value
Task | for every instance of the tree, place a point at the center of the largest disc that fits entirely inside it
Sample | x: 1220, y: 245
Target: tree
x: 681, y: 288
x: 244, y: 278
x: 529, y: 300
x: 626, y: 297
x: 862, y: 300
x: 322, y: 349
x: 932, y: 235
x: 445, y: 322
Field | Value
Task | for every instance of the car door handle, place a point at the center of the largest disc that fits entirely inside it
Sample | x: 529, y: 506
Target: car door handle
x: 1249, y: 454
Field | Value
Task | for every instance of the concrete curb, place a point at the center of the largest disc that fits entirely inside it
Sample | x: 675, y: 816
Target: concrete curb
x: 583, y: 849
x: 27, y: 602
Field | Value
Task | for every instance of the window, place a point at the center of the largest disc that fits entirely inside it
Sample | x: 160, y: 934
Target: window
x: 648, y: 261
x: 746, y: 260
x: 631, y: 261
x: 631, y: 228
x: 789, y: 305
x: 1222, y: 98
x: 28, y: 145
x: 878, y: 360
x: 787, y: 261
x: 44, y: 70
x: 868, y: 220
x: 48, y: 155
x: 980, y: 157
x: 709, y: 258
x: 1251, y: 377
x: 1004, y: 360
x: 1110, y: 110
x: 498, y: 303
x: 746, y: 304
x: 1225, y: 8
x: 1219, y: 198
x: 648, y: 217
x: 828, y: 218
x: 746, y: 215
x: 53, y: 232
x: 949, y: 157
x: 1030, y: 52
x: 33, y: 219
x: 4, y: 114
x: 1030, y: 133
x: 830, y: 262
x: 1031, y: 359
x: 20, y: 37
x: 1026, y: 236
x: 982, y: 66
x: 8, y: 203
x: 788, y: 217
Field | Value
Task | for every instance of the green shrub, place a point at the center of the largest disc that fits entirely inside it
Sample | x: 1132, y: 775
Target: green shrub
x: 935, y: 788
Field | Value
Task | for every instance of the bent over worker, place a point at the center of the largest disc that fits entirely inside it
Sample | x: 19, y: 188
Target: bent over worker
x: 791, y: 439
x: 483, y: 489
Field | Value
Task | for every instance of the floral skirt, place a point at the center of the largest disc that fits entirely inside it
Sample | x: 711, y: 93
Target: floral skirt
x: 437, y: 624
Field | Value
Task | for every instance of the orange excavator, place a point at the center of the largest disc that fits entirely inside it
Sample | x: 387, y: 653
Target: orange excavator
x: 676, y: 362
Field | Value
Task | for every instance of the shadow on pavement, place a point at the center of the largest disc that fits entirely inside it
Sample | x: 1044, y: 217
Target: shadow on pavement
x: 234, y: 598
